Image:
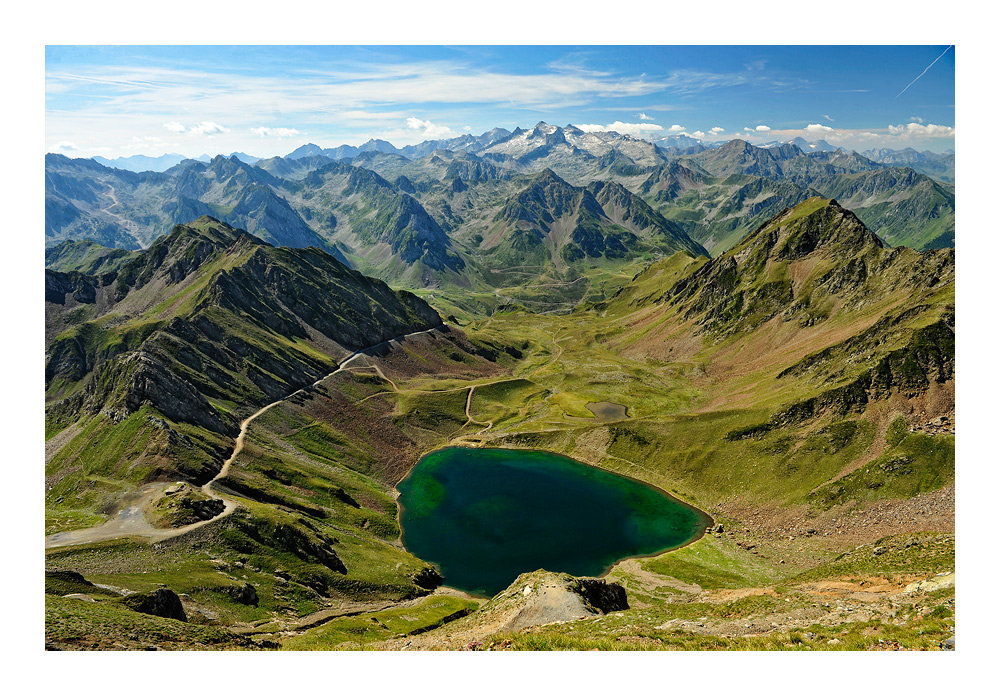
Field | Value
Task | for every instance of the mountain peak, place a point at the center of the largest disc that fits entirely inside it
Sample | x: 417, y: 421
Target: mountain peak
x: 813, y: 225
x: 737, y: 145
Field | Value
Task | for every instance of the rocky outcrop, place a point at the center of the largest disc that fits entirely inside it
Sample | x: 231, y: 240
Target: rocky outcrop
x: 427, y: 578
x: 295, y: 535
x: 600, y: 594
x: 244, y: 594
x: 162, y: 602
x: 541, y: 597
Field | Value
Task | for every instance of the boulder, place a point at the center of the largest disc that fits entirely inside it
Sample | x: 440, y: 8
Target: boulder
x: 163, y: 602
x: 244, y: 594
x: 427, y: 578
x: 601, y: 595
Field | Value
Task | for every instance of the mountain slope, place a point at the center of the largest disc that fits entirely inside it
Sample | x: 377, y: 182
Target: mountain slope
x: 900, y: 205
x: 551, y: 221
x: 191, y: 336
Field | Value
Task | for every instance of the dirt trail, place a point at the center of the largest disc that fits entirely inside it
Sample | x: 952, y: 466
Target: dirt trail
x: 131, y: 521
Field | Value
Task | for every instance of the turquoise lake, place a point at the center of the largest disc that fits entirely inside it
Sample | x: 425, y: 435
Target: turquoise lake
x: 485, y: 516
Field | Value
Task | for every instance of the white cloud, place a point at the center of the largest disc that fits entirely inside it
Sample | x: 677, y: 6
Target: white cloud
x: 716, y: 130
x: 917, y: 119
x: 467, y: 128
x: 818, y: 128
x: 265, y: 132
x: 675, y: 128
x: 636, y: 130
x: 428, y: 129
x: 698, y: 134
x: 762, y: 129
x: 917, y: 130
x: 208, y: 128
x: 644, y: 117
x: 174, y: 127
x: 63, y: 145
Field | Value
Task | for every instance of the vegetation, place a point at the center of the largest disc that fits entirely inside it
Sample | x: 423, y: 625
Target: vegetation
x: 778, y: 387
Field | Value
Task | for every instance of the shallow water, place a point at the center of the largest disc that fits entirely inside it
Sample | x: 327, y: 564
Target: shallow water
x: 484, y: 516
x: 607, y: 410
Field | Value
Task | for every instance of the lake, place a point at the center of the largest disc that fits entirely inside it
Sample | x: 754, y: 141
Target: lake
x: 485, y: 516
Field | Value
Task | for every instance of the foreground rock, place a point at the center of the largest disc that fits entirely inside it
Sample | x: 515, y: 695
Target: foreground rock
x: 534, y: 599
x: 162, y: 602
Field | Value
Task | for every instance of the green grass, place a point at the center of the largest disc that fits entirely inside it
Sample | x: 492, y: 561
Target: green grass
x: 712, y: 564
x: 366, y: 629
x: 73, y: 624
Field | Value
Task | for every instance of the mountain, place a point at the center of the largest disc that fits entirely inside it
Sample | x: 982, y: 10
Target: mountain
x: 144, y: 163
x: 127, y: 210
x: 550, y: 221
x: 740, y: 157
x: 86, y: 257
x: 295, y: 168
x: 430, y: 220
x: 759, y: 279
x: 575, y: 154
x: 937, y: 165
x: 799, y: 388
x: 683, y: 143
x: 198, y: 331
x: 900, y: 205
x: 717, y: 211
x: 810, y: 146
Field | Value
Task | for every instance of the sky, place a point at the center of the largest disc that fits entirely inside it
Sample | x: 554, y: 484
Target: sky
x: 118, y: 101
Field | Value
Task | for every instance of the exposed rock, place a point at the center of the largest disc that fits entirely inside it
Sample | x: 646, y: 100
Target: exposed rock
x: 541, y: 598
x: 428, y: 578
x: 80, y: 596
x: 602, y: 595
x: 244, y: 594
x: 162, y: 602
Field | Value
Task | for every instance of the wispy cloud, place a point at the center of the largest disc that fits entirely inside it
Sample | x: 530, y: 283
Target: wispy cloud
x: 203, y: 128
x: 265, y: 132
x: 644, y: 117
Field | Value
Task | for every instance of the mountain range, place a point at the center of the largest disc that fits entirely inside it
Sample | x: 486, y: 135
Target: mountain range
x: 463, y: 212
x: 793, y: 385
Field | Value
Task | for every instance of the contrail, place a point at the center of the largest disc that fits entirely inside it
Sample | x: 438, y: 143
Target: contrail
x: 925, y: 70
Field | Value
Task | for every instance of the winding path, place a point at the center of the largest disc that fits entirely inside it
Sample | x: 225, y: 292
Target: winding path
x: 132, y: 522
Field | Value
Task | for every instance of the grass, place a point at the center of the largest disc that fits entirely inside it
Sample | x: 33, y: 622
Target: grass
x: 712, y: 565
x: 372, y: 628
x: 923, y: 553
x: 73, y: 624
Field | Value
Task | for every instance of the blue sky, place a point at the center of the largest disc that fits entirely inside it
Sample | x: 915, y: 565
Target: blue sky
x: 268, y: 100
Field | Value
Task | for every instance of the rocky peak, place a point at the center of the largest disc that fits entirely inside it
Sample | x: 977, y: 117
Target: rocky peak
x: 816, y: 224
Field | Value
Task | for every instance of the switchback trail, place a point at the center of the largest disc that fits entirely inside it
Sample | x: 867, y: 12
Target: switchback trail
x: 132, y: 522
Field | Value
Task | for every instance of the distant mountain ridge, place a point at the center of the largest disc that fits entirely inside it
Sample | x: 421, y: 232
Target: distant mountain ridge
x: 427, y: 216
